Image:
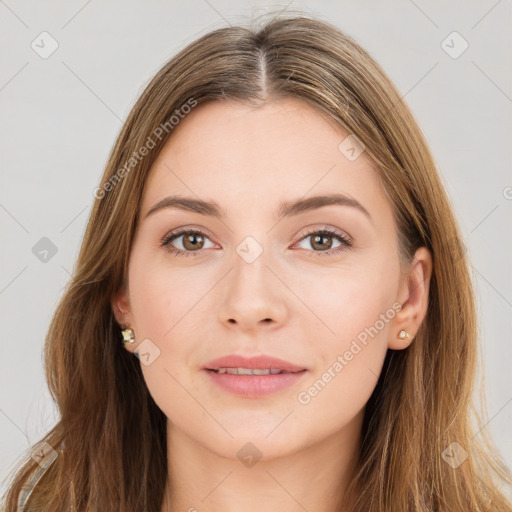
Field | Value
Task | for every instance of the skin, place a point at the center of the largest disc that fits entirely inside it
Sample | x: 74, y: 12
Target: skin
x: 197, y: 308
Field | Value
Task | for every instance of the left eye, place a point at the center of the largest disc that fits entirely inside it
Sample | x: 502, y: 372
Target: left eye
x: 320, y: 239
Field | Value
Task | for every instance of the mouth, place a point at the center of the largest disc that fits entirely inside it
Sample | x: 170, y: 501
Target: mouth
x: 256, y: 376
x: 251, y: 371
x: 255, y: 382
x: 237, y: 364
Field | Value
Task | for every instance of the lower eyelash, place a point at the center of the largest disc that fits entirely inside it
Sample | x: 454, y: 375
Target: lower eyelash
x: 345, y: 241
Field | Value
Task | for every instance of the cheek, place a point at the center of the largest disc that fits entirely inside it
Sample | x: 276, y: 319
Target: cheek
x: 160, y: 296
x: 348, y: 362
x: 337, y: 395
x: 345, y: 301
x: 354, y: 309
x: 167, y: 311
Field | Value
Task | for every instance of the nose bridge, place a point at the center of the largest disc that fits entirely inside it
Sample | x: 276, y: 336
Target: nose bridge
x: 250, y: 275
x: 252, y: 294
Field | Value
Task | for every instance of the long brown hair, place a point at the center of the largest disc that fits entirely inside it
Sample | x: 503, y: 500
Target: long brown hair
x: 110, y: 442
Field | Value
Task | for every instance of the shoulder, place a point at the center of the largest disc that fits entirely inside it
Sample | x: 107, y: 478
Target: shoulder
x: 28, y: 488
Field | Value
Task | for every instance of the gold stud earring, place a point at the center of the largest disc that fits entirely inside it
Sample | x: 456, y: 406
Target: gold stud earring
x: 403, y: 334
x: 128, y: 336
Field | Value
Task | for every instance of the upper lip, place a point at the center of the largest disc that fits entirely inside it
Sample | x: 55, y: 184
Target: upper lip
x: 261, y: 362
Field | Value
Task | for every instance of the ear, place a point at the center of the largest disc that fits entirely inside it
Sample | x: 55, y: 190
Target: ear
x: 120, y: 303
x: 122, y: 311
x: 413, y: 296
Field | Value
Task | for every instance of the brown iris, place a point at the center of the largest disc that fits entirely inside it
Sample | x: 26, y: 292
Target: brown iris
x: 316, y: 238
x: 192, y: 240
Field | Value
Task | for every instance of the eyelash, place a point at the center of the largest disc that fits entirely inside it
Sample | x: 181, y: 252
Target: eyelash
x: 344, y: 239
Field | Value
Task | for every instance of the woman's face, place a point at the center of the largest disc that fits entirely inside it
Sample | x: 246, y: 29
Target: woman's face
x: 256, y: 282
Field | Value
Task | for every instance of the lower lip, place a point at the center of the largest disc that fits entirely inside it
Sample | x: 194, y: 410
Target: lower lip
x: 255, y: 386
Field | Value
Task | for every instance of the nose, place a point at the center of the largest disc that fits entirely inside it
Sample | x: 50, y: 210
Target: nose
x: 253, y: 297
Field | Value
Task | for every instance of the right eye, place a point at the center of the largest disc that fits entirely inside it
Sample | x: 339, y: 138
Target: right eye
x: 193, y: 241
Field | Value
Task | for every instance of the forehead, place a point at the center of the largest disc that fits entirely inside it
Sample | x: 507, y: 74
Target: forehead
x: 250, y: 158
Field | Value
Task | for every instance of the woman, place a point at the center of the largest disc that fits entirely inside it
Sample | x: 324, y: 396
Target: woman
x: 271, y: 306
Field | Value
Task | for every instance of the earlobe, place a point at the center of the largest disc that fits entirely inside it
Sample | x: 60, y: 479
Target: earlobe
x: 415, y: 289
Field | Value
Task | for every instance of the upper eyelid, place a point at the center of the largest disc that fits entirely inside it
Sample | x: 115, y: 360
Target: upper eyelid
x: 183, y: 231
x: 327, y: 229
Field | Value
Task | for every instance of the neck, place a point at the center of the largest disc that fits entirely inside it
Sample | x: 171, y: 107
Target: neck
x: 314, y: 477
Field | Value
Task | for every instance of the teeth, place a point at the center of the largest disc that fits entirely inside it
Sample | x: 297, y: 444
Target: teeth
x: 249, y: 371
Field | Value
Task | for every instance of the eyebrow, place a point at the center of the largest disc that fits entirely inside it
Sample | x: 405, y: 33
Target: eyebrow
x: 286, y: 208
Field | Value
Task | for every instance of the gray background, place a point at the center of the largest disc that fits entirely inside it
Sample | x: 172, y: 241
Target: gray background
x: 60, y: 116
